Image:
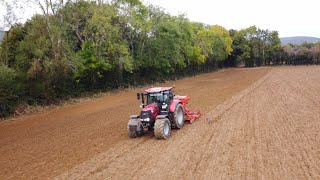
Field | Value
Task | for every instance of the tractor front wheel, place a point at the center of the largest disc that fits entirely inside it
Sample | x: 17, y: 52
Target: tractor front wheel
x: 132, y: 133
x: 162, y: 128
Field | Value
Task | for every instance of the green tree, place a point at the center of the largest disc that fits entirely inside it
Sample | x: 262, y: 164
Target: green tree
x: 273, y: 48
x: 92, y: 68
x: 221, y: 43
x: 11, y: 41
x: 9, y: 90
x: 104, y: 32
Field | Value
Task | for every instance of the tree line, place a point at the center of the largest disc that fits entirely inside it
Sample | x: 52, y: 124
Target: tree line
x: 79, y: 46
x: 306, y: 53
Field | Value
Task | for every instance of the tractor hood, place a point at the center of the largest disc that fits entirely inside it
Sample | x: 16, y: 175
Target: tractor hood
x: 150, y: 111
x: 150, y: 107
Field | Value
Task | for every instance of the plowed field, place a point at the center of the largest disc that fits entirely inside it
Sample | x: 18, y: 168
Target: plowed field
x: 264, y: 124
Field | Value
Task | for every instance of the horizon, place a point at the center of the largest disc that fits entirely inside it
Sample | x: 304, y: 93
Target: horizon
x: 298, y: 36
x: 279, y: 36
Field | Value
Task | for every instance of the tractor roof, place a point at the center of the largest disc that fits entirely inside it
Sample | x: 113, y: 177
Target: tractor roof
x: 157, y: 89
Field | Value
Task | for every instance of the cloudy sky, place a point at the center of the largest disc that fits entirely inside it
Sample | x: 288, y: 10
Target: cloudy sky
x: 289, y: 17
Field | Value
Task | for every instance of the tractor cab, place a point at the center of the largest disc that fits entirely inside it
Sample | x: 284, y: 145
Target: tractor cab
x: 159, y: 96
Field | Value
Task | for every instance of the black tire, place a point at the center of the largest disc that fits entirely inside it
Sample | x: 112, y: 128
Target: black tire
x: 178, y: 117
x: 162, y: 128
x: 132, y: 134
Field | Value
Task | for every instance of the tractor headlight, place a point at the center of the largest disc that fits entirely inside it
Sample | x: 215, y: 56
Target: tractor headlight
x: 164, y: 106
x: 146, y: 119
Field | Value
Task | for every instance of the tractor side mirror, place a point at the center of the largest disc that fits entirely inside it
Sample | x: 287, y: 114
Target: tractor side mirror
x: 171, y: 96
x: 138, y: 96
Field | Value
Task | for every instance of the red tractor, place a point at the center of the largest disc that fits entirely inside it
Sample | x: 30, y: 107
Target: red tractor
x: 161, y: 111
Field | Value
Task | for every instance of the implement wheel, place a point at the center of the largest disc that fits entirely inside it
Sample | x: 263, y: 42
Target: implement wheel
x: 162, y: 129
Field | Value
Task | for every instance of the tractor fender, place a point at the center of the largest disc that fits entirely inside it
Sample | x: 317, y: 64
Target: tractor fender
x: 161, y: 117
x: 173, y: 105
x: 134, y: 116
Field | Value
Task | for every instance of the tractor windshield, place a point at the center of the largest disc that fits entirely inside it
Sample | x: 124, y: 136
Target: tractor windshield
x: 157, y: 97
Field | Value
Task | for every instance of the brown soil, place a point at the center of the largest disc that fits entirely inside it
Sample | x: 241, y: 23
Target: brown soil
x: 265, y: 124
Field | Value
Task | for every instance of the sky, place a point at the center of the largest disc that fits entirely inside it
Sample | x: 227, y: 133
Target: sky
x: 289, y: 18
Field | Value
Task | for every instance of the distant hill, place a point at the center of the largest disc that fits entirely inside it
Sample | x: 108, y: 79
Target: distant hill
x: 1, y: 35
x: 298, y: 39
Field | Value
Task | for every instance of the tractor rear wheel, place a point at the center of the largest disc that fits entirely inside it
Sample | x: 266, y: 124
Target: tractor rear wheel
x: 162, y: 128
x: 178, y: 117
